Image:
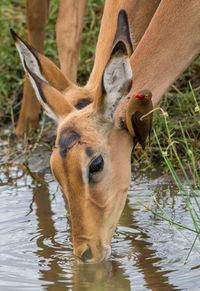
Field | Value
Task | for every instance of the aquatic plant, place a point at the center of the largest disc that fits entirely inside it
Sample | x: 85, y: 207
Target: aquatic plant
x: 191, y: 193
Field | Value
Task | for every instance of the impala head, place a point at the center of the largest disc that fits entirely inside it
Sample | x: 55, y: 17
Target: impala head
x: 91, y: 157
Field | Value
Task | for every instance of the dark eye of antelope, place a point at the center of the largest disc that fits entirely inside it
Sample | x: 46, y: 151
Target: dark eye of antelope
x: 96, y: 166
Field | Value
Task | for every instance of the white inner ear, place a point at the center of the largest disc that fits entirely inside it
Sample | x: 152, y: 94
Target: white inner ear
x: 31, y: 61
x: 27, y: 56
x: 46, y: 108
x: 117, y: 73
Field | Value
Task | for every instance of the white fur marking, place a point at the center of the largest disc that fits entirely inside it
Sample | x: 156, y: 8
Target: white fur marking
x: 45, y: 106
x: 117, y: 73
x: 85, y: 176
x: 27, y: 56
x: 31, y: 62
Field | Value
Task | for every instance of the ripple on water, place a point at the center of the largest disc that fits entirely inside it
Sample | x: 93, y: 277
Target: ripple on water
x: 36, y: 249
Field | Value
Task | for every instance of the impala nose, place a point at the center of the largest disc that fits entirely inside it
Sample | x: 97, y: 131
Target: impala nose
x: 86, y: 254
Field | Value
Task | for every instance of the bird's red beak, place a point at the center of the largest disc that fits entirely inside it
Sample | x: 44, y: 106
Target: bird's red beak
x: 138, y: 96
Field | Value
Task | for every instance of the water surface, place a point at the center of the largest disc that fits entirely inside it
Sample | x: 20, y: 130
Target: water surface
x: 35, y: 238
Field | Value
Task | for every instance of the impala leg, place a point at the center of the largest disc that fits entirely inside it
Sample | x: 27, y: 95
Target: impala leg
x: 36, y: 13
x: 68, y: 35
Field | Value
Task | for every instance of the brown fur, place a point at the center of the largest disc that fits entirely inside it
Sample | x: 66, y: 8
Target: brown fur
x: 96, y: 208
x: 68, y: 35
x: 161, y: 55
x: 95, y: 204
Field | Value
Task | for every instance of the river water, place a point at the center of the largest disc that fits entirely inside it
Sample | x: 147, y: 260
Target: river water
x: 36, y: 253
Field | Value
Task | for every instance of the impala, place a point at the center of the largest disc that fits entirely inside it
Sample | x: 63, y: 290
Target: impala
x: 142, y: 45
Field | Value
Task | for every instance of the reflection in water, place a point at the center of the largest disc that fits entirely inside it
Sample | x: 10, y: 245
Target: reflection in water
x: 83, y: 276
x: 11, y: 175
x: 145, y: 257
x: 47, y: 247
x: 92, y: 276
x: 144, y: 248
x: 105, y: 276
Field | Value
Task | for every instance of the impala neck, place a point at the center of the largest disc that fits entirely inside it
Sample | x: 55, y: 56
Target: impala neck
x: 169, y: 44
x: 167, y: 47
x: 139, y: 16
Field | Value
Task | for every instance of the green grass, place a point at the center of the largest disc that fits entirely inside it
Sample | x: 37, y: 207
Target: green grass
x: 181, y: 106
x: 11, y: 73
x: 170, y: 153
x: 12, y: 15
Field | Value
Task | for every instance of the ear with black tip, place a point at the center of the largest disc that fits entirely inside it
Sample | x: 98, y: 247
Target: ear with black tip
x: 118, y: 73
x: 123, y: 33
x: 40, y: 65
x: 52, y: 100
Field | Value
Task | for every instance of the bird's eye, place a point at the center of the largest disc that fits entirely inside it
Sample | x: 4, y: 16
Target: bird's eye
x: 96, y: 166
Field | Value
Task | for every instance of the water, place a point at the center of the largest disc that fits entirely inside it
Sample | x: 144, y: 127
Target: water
x: 36, y: 249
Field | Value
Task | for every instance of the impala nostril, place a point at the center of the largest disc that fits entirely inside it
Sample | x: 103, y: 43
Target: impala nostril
x: 87, y: 254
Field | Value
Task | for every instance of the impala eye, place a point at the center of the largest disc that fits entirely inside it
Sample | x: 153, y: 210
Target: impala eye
x: 96, y: 166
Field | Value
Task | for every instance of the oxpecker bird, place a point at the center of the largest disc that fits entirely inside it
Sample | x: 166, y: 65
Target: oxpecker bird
x: 138, y: 106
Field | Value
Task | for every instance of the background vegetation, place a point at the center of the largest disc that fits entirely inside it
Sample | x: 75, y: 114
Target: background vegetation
x: 178, y: 102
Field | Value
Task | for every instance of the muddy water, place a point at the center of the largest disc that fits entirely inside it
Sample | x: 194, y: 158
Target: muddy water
x: 35, y: 239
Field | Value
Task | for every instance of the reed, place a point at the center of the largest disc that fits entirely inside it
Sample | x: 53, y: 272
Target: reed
x: 191, y: 193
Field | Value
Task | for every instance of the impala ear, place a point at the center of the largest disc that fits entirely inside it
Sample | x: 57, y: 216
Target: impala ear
x: 52, y: 100
x: 117, y: 77
x: 40, y: 65
x: 123, y: 32
x: 46, y: 78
